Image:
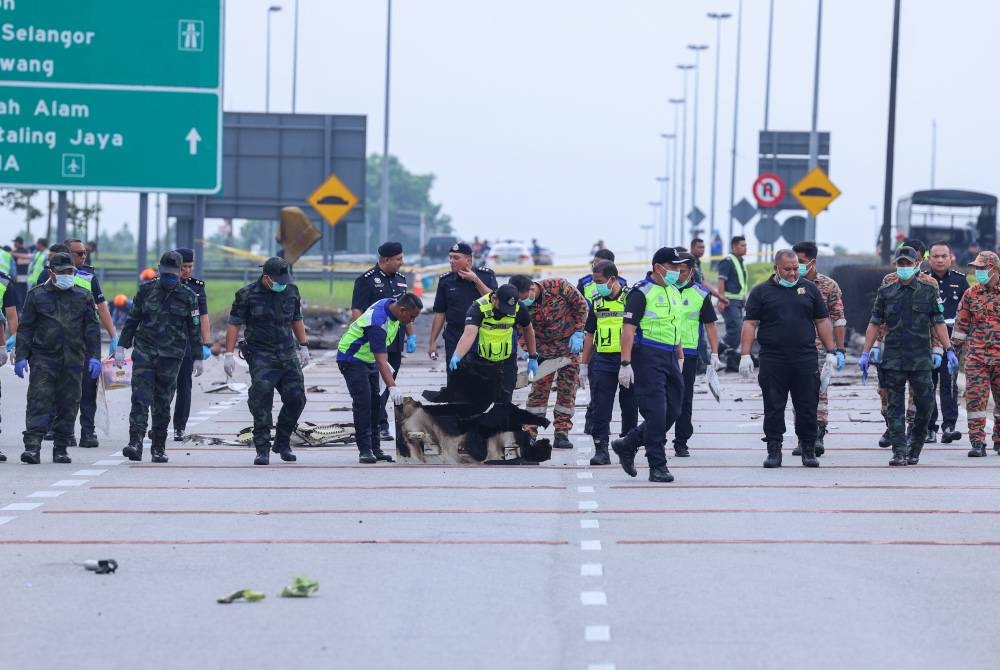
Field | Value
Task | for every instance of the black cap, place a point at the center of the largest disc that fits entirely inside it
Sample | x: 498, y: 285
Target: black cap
x: 666, y: 255
x: 170, y: 263
x: 19, y: 239
x: 278, y: 270
x: 909, y: 253
x: 507, y: 297
x: 187, y: 255
x: 461, y: 248
x: 390, y: 249
x: 61, y: 261
x: 686, y: 258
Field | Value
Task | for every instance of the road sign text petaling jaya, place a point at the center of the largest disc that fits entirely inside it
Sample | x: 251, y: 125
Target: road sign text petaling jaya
x: 111, y: 95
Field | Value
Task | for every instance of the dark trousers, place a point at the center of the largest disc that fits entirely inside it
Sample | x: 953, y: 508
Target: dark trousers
x: 154, y: 379
x: 270, y: 373
x: 182, y: 401
x: 53, y: 399
x: 779, y: 377
x: 684, y: 429
x: 658, y: 391
x: 88, y: 402
x: 603, y: 387
x: 451, y: 338
x: 947, y: 390
x: 362, y: 384
x: 923, y: 398
x: 733, y: 316
x: 395, y: 360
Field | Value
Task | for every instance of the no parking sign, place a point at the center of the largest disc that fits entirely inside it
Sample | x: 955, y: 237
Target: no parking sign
x: 768, y: 189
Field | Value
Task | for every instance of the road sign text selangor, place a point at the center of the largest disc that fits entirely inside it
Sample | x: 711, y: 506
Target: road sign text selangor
x: 768, y: 189
x: 111, y: 95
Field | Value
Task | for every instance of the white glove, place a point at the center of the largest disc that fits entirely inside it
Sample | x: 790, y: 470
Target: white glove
x: 3, y: 356
x: 713, y: 383
x: 119, y: 357
x: 831, y: 360
x: 746, y: 366
x: 716, y: 363
x: 228, y: 363
x: 381, y: 384
x: 396, y: 395
x: 583, y: 382
x: 303, y: 355
x: 625, y: 376
x: 197, y: 368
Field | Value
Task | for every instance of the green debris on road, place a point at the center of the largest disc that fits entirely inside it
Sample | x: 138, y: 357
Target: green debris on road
x: 301, y: 587
x: 246, y: 594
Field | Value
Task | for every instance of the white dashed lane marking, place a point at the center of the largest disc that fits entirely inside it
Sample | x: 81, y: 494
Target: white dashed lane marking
x: 21, y: 507
x: 593, y: 598
x: 590, y: 545
x: 109, y: 462
x: 585, y: 475
x: 597, y: 633
x: 591, y: 570
x: 584, y: 489
x: 587, y: 505
x: 46, y: 494
x: 88, y: 473
x: 589, y: 524
x: 71, y: 482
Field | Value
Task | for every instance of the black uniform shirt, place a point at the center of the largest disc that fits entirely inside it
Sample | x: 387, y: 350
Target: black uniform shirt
x: 455, y: 295
x: 198, y: 287
x: 786, y: 318
x: 374, y: 285
x: 951, y: 288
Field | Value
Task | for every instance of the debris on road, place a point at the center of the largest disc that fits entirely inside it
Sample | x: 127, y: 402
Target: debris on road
x: 104, y: 566
x: 249, y: 595
x: 301, y: 588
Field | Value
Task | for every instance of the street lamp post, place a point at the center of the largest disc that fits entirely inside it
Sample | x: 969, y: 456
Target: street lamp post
x: 673, y: 172
x: 736, y: 117
x: 697, y: 49
x: 813, y: 133
x: 718, y: 18
x: 661, y: 231
x: 684, y: 144
x: 267, y: 54
x: 295, y: 57
x: 666, y: 179
x: 384, y: 208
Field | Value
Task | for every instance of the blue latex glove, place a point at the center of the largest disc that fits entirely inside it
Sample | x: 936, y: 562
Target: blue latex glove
x: 453, y: 363
x: 411, y: 343
x: 10, y: 342
x: 525, y: 354
x: 576, y: 342
x: 113, y: 345
x: 841, y: 360
x: 876, y: 355
x: 863, y: 363
x: 206, y: 352
x: 952, y: 362
x: 20, y: 367
x: 532, y: 366
x: 94, y: 368
x: 936, y: 360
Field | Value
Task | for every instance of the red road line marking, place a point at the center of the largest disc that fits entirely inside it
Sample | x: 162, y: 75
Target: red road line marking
x: 287, y: 541
x: 920, y: 487
x: 403, y: 466
x: 332, y: 488
x: 902, y: 543
x: 292, y: 512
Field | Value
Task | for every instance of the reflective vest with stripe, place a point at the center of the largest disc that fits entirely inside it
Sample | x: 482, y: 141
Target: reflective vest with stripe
x: 692, y: 299
x: 609, y: 313
x: 37, y: 266
x: 356, y: 331
x: 741, y: 274
x: 496, y: 336
x: 659, y: 321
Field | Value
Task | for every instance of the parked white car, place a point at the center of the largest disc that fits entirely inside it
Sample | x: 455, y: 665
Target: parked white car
x: 504, y: 254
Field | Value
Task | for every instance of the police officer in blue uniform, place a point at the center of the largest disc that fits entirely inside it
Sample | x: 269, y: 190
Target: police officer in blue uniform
x: 385, y: 280
x: 456, y: 292
x: 951, y: 288
x: 182, y: 404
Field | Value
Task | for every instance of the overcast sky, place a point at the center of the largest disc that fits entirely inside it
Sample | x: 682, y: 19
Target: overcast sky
x: 543, y: 118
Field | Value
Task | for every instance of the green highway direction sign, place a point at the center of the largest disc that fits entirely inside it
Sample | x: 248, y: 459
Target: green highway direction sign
x: 111, y: 95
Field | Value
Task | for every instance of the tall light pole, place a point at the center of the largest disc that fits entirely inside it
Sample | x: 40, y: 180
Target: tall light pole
x: 718, y: 18
x: 384, y: 208
x: 673, y: 173
x: 667, y: 178
x: 767, y: 76
x: 661, y: 226
x: 890, y: 145
x: 813, y: 134
x: 684, y: 146
x: 295, y: 57
x: 651, y: 229
x: 267, y: 54
x: 736, y: 117
x: 697, y: 49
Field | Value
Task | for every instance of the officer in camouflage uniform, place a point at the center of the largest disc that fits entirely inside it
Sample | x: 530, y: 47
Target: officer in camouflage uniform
x: 977, y: 332
x: 58, y: 334
x: 275, y: 348
x: 163, y: 324
x: 558, y: 316
x: 908, y: 308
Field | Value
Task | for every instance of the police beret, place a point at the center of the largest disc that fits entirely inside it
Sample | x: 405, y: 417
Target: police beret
x: 187, y: 255
x: 390, y: 249
x: 461, y: 248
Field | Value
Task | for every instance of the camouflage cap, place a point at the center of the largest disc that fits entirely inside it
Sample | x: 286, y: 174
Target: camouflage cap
x: 986, y: 259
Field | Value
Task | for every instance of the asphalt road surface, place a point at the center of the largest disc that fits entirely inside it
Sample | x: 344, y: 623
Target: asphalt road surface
x: 852, y: 565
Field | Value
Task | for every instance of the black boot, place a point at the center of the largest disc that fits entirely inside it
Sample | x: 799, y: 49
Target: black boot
x: 913, y: 455
x: 660, y: 474
x: 601, y: 456
x: 382, y: 456
x: 809, y: 456
x: 178, y: 434
x: 885, y: 441
x: 59, y: 454
x: 898, y: 456
x: 561, y: 441
x: 626, y: 450
x: 3, y: 457
x: 32, y: 452
x: 949, y: 435
x: 978, y: 450
x: 285, y: 452
x: 158, y: 449
x: 681, y: 451
x: 88, y: 440
x: 385, y: 436
x: 820, y: 448
x: 263, y: 454
x: 773, y: 459
x: 996, y: 448
x: 133, y: 451
x: 931, y: 437
x: 366, y: 456
x: 797, y: 451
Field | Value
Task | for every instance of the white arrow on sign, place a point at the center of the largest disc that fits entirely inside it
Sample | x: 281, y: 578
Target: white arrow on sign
x: 192, y: 139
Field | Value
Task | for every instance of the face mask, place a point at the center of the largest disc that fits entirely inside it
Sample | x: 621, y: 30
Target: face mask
x: 906, y: 273
x: 603, y: 290
x: 803, y: 269
x: 278, y: 288
x: 787, y: 284
x: 169, y: 280
x: 671, y: 277
x: 982, y: 276
x: 64, y: 282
